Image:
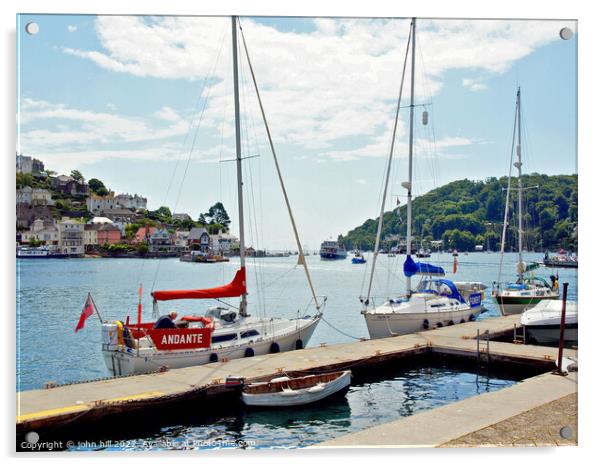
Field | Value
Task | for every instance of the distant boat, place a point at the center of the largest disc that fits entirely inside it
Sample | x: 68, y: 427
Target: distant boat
x: 542, y: 322
x: 527, y: 291
x: 332, y: 250
x: 358, y: 258
x: 286, y: 392
x: 202, y: 257
x: 40, y: 252
x: 423, y: 253
x: 455, y: 253
x: 562, y: 260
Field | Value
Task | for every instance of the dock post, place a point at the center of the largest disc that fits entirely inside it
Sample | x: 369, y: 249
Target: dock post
x: 559, y: 370
x: 488, y: 355
x: 478, y: 350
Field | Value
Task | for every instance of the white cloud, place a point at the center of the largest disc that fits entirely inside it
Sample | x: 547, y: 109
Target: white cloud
x: 167, y: 114
x: 71, y: 28
x: 473, y: 85
x: 337, y: 82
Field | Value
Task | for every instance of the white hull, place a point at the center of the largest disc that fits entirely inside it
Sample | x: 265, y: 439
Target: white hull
x: 510, y: 305
x: 550, y: 334
x: 128, y: 361
x: 298, y: 397
x: 382, y: 325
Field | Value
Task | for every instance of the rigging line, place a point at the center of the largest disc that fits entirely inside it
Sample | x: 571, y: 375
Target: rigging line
x: 384, y: 199
x: 252, y: 207
x: 341, y: 331
x: 190, y: 152
x: 299, y: 247
x: 505, y: 220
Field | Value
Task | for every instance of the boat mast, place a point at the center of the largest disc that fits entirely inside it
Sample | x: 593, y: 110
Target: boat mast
x: 519, y: 165
x: 241, y: 223
x: 408, y: 184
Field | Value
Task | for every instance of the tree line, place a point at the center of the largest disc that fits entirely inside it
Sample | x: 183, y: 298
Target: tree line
x: 467, y: 213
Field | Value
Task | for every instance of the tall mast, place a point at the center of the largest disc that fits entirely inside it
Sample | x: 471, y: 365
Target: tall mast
x: 519, y: 165
x: 408, y: 185
x: 241, y: 223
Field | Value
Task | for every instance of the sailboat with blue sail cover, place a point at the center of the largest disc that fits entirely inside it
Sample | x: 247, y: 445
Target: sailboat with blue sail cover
x: 435, y: 301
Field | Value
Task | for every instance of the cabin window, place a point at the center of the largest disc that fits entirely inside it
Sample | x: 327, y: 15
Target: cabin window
x: 249, y: 334
x: 221, y: 338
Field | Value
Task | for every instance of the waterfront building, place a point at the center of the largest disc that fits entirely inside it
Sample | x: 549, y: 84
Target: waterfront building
x: 161, y: 241
x: 90, y: 236
x: 143, y: 234
x: 107, y: 234
x: 71, y: 237
x: 199, y: 239
x: 223, y: 243
x: 181, y: 239
x: 42, y: 229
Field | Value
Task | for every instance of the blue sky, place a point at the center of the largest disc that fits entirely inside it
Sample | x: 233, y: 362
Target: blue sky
x: 115, y: 97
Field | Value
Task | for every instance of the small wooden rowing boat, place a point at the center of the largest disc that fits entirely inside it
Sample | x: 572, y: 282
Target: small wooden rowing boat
x: 285, y: 391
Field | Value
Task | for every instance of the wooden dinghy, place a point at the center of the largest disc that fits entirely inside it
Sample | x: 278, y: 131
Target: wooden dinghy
x: 285, y: 391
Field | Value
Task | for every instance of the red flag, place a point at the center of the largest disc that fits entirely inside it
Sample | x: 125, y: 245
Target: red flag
x: 455, y: 264
x: 87, y: 311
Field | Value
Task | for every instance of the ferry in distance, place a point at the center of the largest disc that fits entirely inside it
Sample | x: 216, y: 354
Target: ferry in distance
x: 332, y: 250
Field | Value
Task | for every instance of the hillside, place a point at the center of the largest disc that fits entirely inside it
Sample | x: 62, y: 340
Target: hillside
x: 466, y: 213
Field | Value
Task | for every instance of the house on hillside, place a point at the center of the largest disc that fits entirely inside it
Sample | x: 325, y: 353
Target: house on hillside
x: 198, y: 239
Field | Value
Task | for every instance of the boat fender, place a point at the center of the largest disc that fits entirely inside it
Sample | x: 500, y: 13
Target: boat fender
x: 425, y: 324
x: 213, y: 357
x: 119, y: 324
x: 249, y: 353
x: 471, y: 318
x: 462, y: 321
x: 299, y: 344
x: 451, y: 322
x: 274, y: 348
x: 439, y: 325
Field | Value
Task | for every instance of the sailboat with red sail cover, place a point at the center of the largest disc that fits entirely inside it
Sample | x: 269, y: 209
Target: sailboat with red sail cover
x: 223, y: 332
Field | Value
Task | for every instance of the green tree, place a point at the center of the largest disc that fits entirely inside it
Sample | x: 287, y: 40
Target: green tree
x: 217, y: 215
x: 76, y: 175
x: 98, y: 187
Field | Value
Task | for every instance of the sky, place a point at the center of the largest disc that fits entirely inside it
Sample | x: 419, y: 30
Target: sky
x: 146, y: 105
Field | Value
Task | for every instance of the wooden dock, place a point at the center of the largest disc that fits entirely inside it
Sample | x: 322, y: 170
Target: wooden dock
x: 43, y: 409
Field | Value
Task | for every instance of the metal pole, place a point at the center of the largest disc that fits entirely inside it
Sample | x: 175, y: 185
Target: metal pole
x: 410, y: 154
x: 241, y: 223
x: 559, y: 371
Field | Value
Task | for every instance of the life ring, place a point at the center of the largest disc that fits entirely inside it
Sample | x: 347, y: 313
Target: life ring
x: 425, y: 324
x: 249, y: 353
x: 206, y: 321
x: 299, y: 344
x: 213, y: 357
x: 274, y: 348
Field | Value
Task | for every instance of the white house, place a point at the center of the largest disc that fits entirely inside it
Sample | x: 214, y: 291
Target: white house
x: 71, y: 237
x: 127, y: 201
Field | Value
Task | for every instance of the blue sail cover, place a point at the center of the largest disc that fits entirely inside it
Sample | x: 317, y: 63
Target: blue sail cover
x: 411, y: 268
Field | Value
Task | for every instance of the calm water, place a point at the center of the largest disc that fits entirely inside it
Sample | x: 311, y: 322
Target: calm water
x: 51, y: 294
x: 370, y: 401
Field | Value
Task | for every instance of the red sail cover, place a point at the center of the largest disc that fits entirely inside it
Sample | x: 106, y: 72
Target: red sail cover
x: 237, y: 287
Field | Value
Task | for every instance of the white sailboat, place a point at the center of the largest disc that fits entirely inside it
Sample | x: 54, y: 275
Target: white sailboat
x: 434, y: 302
x: 528, y: 290
x: 222, y: 333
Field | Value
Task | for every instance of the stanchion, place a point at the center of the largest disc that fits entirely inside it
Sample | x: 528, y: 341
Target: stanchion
x: 559, y: 370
